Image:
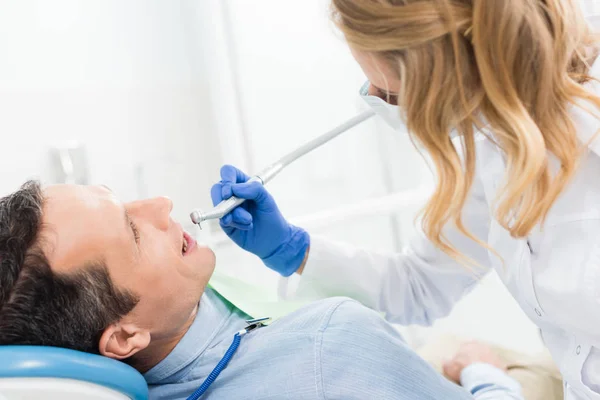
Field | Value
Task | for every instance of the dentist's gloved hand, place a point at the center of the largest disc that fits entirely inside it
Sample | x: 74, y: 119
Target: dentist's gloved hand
x: 257, y: 225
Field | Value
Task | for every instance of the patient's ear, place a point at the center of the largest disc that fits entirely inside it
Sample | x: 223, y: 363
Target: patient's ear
x: 121, y: 341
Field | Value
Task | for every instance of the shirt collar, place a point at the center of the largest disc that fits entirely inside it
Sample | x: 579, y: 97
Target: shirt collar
x: 212, y: 316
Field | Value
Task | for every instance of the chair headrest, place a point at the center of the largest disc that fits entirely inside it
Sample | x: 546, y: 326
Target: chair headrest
x: 54, y: 362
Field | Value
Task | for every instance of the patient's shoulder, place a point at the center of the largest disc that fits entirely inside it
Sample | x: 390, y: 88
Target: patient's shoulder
x: 335, y: 313
x: 320, y: 314
x: 348, y: 313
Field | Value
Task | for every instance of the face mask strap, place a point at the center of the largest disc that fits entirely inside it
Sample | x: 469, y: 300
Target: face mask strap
x: 364, y: 90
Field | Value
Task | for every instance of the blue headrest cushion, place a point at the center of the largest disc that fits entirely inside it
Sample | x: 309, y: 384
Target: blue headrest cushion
x: 54, y: 362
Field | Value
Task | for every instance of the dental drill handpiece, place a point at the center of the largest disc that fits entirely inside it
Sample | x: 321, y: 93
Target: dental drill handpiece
x: 224, y: 207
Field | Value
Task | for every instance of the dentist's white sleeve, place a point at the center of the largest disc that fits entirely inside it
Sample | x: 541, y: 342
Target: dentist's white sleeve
x: 414, y: 287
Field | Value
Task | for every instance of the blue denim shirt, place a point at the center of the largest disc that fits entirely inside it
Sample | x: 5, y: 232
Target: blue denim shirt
x: 332, y: 349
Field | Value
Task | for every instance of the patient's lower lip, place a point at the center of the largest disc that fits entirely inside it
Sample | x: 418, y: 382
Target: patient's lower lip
x: 191, y: 243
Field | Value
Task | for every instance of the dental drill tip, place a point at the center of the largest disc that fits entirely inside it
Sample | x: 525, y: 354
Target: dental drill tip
x: 196, y: 217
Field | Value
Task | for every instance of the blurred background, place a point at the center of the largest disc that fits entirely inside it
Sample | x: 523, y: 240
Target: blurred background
x: 151, y: 97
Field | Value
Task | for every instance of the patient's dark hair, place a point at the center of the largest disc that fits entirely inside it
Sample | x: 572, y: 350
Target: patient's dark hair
x: 39, y: 306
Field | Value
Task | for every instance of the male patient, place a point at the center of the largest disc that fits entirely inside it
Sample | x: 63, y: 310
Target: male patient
x: 81, y: 270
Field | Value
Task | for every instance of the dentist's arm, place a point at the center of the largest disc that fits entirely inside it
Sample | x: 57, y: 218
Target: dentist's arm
x: 482, y: 373
x: 413, y: 287
x: 486, y: 382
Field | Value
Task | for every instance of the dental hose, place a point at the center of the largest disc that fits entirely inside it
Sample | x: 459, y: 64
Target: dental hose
x: 223, y: 208
x: 218, y: 369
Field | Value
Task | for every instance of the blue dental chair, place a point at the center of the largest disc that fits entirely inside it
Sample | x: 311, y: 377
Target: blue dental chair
x: 37, y: 372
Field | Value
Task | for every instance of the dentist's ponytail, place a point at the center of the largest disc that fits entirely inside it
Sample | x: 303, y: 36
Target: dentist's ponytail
x: 513, y: 67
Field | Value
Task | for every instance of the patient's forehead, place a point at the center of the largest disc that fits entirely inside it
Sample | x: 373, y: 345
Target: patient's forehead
x: 81, y: 224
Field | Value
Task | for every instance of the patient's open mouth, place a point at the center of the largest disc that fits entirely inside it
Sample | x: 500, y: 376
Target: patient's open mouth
x: 188, y: 244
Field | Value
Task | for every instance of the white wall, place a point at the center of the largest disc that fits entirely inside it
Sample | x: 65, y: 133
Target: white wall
x: 298, y: 80
x: 116, y: 76
x: 590, y: 6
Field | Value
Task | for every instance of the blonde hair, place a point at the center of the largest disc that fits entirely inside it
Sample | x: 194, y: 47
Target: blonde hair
x: 513, y: 66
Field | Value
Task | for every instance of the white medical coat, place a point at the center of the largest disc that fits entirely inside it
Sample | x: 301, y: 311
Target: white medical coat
x: 554, y: 273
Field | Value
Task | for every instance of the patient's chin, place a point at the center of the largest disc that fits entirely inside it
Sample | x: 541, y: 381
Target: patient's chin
x: 209, y: 254
x: 207, y: 259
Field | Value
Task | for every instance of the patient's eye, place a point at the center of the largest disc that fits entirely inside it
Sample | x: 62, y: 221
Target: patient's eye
x: 134, y: 228
x: 136, y: 232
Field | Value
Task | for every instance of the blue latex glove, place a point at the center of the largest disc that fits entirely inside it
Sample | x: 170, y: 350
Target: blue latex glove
x: 257, y: 225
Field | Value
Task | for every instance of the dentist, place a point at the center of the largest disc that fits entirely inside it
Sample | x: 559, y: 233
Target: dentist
x: 504, y: 97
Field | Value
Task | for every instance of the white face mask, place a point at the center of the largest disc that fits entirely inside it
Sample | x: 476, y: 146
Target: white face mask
x: 389, y: 113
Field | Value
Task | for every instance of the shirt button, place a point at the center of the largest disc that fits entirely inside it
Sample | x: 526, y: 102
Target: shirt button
x: 578, y: 350
x: 538, y: 312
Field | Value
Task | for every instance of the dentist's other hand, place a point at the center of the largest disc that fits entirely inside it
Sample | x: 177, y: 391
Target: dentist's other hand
x: 257, y: 225
x: 472, y: 353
